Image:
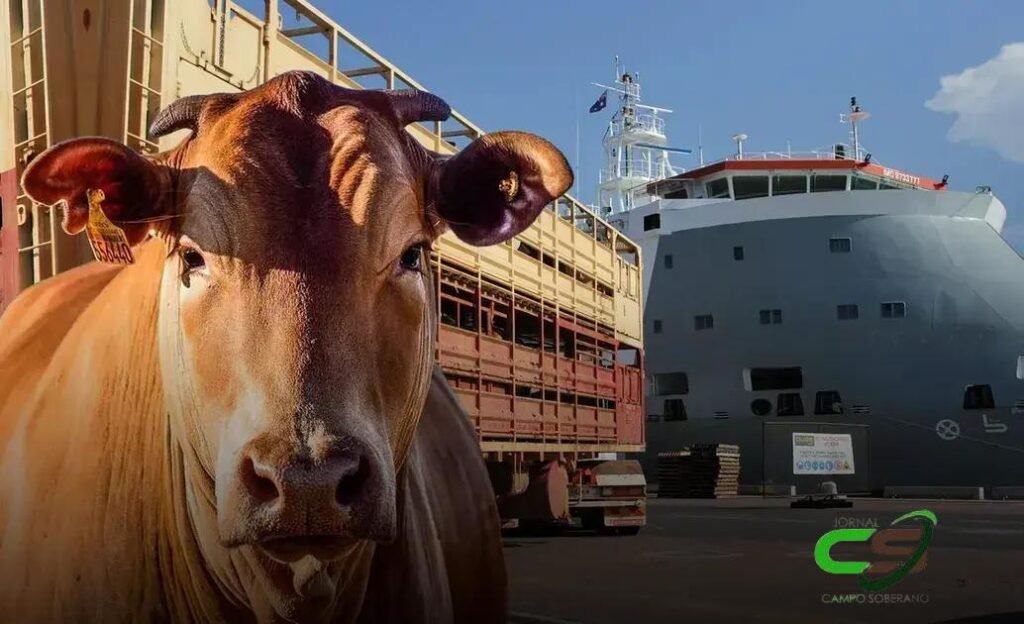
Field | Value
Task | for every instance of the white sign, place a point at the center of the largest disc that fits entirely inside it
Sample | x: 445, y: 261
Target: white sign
x: 822, y: 453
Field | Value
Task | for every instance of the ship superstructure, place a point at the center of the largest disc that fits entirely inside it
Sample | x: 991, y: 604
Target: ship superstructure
x: 635, y: 146
x: 824, y: 291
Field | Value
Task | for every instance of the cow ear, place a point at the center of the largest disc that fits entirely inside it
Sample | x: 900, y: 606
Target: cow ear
x: 494, y: 189
x: 135, y: 189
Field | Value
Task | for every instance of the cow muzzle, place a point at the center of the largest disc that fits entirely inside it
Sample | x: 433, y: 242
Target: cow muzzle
x: 317, y: 502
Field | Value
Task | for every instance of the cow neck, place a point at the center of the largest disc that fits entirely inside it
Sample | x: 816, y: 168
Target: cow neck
x: 94, y: 428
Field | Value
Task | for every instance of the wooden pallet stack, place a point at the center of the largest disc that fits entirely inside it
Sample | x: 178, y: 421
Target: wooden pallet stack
x: 673, y: 474
x: 699, y: 471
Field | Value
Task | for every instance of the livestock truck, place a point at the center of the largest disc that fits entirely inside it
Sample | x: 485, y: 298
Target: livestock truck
x: 540, y: 338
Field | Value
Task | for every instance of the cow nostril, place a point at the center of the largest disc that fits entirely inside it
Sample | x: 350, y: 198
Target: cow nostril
x: 261, y: 488
x: 351, y: 484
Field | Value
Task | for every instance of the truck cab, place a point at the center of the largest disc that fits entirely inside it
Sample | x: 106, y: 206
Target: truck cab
x: 608, y: 495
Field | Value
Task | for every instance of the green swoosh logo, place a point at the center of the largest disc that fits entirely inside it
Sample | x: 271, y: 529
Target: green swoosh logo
x: 929, y: 524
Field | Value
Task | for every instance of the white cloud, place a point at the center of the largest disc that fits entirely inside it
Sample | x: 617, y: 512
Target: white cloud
x: 988, y: 101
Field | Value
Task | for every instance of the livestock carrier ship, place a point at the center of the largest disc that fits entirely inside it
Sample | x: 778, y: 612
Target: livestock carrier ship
x: 822, y: 291
x: 540, y: 338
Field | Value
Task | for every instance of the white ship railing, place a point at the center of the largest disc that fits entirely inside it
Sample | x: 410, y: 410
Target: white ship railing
x: 634, y: 168
x: 827, y: 153
x: 650, y: 124
x: 808, y: 155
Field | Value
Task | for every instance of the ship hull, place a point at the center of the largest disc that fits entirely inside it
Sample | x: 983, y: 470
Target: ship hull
x: 902, y: 381
x: 888, y: 451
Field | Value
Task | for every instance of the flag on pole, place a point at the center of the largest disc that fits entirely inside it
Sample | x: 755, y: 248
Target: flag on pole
x: 600, y: 103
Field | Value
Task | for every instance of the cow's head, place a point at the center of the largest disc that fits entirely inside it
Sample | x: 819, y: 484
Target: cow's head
x: 296, y: 320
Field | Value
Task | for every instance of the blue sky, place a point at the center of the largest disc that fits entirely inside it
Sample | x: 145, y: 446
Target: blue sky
x: 779, y: 71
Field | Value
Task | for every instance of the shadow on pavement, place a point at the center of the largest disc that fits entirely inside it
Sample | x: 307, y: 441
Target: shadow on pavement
x: 510, y: 544
x: 558, y: 531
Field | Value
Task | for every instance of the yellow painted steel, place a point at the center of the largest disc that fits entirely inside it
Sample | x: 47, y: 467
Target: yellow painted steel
x: 105, y: 67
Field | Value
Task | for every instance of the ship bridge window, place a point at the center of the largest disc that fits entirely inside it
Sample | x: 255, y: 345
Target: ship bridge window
x: 675, y: 409
x: 789, y: 378
x: 979, y: 397
x: 826, y: 183
x: 884, y: 186
x: 827, y: 402
x: 652, y: 221
x: 788, y: 184
x: 717, y: 188
x: 748, y: 187
x: 863, y: 184
x: 789, y: 404
x: 669, y: 189
x: 671, y: 383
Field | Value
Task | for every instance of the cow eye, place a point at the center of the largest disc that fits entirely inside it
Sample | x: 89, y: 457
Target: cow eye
x: 412, y: 258
x: 192, y: 259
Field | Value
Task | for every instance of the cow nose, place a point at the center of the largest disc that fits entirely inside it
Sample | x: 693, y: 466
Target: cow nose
x: 338, y: 480
x: 303, y: 500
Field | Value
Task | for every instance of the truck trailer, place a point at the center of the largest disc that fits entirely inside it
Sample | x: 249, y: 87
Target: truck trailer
x: 540, y: 337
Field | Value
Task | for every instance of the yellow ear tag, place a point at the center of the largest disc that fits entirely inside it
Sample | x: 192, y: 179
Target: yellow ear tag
x: 109, y: 243
x: 509, y: 186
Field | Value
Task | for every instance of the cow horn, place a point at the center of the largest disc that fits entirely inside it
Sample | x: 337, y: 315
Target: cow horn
x: 179, y: 115
x: 413, y: 105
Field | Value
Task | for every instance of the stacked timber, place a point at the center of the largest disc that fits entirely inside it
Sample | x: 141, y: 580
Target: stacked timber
x: 699, y: 471
x: 673, y: 474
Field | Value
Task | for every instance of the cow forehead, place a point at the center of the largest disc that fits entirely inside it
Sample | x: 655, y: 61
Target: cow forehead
x: 263, y: 135
x: 342, y: 176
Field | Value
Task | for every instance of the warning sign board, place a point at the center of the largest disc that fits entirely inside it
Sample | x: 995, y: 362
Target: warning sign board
x: 822, y: 453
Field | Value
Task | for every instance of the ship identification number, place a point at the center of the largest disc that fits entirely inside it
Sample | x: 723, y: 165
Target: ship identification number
x: 900, y: 176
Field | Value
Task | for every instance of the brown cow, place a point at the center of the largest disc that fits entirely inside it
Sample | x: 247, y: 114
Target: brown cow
x: 246, y: 423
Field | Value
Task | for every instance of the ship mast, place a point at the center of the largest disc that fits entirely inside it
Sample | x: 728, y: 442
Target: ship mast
x: 635, y: 145
x: 855, y: 116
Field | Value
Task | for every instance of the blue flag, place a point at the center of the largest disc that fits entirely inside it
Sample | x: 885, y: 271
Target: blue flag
x: 600, y: 103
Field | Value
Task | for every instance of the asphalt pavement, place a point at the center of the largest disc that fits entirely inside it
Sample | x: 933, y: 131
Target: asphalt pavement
x: 751, y: 560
